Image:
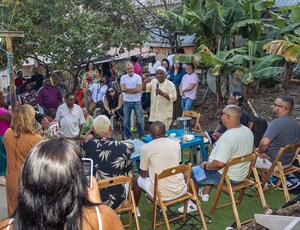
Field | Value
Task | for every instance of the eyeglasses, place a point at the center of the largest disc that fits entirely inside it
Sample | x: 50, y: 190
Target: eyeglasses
x: 222, y: 113
x: 280, y: 106
x: 111, y: 91
x: 71, y: 99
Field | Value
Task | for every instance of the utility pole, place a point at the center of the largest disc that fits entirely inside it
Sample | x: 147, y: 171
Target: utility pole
x: 8, y: 35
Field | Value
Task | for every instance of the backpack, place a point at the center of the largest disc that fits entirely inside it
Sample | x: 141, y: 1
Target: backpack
x: 258, y: 127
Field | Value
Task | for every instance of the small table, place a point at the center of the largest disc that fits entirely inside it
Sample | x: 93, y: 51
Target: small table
x: 135, y: 156
x: 193, y: 144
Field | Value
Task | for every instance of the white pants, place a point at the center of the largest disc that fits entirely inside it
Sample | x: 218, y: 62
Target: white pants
x: 262, y: 163
x: 144, y: 183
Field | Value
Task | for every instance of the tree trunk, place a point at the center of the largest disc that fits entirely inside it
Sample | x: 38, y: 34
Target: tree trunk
x: 220, y: 102
x: 287, y: 75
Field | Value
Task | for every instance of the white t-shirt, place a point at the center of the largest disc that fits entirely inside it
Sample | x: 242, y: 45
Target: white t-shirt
x: 131, y: 83
x: 98, y: 92
x: 152, y: 68
x: 69, y: 120
x: 235, y: 142
x: 170, y: 59
x: 187, y: 80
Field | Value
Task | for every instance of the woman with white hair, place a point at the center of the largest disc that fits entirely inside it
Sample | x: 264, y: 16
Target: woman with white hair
x: 111, y: 158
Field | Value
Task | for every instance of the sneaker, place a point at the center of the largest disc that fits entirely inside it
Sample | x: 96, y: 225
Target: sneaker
x: 269, y: 184
x: 2, y: 180
x: 292, y: 182
x: 191, y: 207
x: 204, y: 197
x: 138, y: 213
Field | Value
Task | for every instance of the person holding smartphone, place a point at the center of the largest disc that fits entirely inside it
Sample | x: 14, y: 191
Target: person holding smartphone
x: 53, y: 187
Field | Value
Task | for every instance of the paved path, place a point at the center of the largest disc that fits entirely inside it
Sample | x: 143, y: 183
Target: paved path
x: 3, y: 203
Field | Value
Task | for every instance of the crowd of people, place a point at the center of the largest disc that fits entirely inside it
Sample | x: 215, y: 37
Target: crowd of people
x: 43, y: 140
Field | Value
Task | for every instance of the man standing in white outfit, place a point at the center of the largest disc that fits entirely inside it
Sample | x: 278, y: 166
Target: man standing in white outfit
x: 70, y: 118
x: 131, y: 86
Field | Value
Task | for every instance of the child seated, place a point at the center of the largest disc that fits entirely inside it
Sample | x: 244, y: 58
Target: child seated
x: 53, y: 130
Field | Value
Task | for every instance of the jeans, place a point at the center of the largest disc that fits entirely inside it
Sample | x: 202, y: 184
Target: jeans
x: 137, y: 108
x: 187, y: 104
x: 212, y: 177
x: 2, y: 158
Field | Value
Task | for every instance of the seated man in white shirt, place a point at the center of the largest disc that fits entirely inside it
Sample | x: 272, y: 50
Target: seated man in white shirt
x: 237, y: 141
x: 97, y: 92
x: 156, y: 156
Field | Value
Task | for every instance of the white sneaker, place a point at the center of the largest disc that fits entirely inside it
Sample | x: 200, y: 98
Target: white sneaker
x: 2, y: 180
x: 138, y: 212
x: 191, y: 207
x: 204, y: 197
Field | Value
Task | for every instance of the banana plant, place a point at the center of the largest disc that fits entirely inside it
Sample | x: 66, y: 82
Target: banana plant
x: 210, y: 18
x: 241, y: 62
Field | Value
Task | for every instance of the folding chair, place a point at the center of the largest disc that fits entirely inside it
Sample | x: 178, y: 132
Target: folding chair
x: 226, y: 186
x: 196, y: 120
x: 129, y: 205
x: 281, y: 172
x: 159, y: 201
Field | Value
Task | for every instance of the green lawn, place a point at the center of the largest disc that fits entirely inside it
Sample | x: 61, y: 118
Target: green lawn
x: 222, y: 218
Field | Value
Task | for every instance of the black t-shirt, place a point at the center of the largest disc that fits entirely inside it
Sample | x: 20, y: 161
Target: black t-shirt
x: 38, y: 79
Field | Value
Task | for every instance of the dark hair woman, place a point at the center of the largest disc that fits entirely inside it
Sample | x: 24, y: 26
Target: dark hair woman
x: 88, y: 77
x: 113, y: 103
x: 165, y: 63
x: 176, y: 76
x: 52, y: 192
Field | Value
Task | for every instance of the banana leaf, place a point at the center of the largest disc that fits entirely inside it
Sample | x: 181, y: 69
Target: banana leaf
x: 263, y: 5
x: 287, y: 49
x: 265, y: 62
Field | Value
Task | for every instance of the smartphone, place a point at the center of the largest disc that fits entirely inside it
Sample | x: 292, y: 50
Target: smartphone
x: 88, y: 170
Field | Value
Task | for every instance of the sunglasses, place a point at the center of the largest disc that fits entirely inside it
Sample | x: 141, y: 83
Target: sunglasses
x: 111, y: 91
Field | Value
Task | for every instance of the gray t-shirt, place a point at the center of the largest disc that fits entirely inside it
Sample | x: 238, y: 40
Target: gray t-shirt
x: 282, y: 131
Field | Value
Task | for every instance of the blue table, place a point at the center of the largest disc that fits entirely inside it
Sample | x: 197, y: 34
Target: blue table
x: 198, y: 141
x: 135, y: 156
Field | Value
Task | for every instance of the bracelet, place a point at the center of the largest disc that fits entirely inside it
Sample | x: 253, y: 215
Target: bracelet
x: 204, y: 167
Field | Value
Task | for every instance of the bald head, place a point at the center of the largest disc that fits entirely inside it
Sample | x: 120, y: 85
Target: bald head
x: 234, y: 111
x: 157, y: 129
x: 231, y: 115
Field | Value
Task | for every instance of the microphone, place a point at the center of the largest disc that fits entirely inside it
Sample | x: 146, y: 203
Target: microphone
x: 157, y: 87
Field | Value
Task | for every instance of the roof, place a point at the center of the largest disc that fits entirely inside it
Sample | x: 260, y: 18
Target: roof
x: 280, y: 3
x: 156, y: 41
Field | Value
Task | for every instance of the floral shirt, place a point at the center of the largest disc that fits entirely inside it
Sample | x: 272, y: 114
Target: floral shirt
x: 52, y: 131
x: 89, y: 78
x: 111, y: 158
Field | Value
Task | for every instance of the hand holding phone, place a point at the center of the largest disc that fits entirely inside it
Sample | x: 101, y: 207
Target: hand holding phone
x: 88, y: 170
x: 93, y: 194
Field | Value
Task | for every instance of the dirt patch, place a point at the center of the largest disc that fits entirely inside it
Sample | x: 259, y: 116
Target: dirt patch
x: 261, y: 102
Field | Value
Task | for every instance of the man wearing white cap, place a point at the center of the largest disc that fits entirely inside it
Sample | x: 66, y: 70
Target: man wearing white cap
x: 163, y: 94
x: 152, y: 65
